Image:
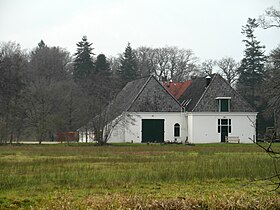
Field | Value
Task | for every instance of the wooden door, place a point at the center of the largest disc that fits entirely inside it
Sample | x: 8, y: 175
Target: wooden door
x: 224, y: 133
x: 153, y: 130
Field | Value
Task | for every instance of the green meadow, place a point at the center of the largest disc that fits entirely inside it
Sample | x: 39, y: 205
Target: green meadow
x: 137, y: 176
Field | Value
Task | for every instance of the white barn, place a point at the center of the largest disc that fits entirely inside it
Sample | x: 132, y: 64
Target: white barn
x: 203, y: 110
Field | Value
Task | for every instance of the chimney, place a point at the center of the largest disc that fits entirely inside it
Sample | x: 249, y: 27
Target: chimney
x: 208, y: 80
x: 193, y: 77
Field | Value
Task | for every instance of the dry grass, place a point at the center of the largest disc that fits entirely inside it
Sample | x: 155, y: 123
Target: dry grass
x: 116, y: 201
x: 135, y: 177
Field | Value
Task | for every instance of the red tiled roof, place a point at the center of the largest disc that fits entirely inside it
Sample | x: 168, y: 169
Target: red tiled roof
x: 177, y: 88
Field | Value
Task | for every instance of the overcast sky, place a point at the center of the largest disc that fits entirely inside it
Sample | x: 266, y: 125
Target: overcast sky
x: 211, y: 28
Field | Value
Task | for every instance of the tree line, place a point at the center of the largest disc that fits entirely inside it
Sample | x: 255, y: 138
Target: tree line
x: 48, y: 90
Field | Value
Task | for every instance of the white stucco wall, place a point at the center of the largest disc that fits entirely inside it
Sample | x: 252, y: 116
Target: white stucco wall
x: 197, y: 127
x: 203, y: 127
x: 118, y: 131
x: 84, y: 138
x: 130, y: 131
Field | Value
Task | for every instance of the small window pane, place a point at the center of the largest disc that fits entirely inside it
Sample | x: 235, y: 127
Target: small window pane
x: 219, y: 122
x: 224, y: 121
x: 219, y: 129
x: 229, y: 121
x: 224, y: 105
x: 229, y: 129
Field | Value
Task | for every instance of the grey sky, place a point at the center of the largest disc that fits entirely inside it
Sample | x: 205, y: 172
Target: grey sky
x: 212, y: 29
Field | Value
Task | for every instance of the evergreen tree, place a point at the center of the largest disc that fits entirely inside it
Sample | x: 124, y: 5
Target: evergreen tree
x: 102, y: 66
x: 128, y: 69
x: 275, y: 59
x: 42, y: 44
x: 252, y: 65
x: 83, y: 62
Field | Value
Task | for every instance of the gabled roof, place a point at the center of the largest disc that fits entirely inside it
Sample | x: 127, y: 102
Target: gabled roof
x: 194, y: 92
x: 177, y: 88
x: 125, y: 97
x: 201, y: 96
x: 121, y: 103
x: 143, y: 95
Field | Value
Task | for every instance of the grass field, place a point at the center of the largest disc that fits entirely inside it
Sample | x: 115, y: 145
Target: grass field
x: 137, y: 176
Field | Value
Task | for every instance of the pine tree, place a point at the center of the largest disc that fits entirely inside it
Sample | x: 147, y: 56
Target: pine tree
x: 102, y: 66
x: 83, y: 62
x: 128, y: 69
x: 42, y: 44
x: 252, y: 65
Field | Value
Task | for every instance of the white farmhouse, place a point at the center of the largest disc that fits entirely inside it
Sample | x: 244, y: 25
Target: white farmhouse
x: 202, y: 110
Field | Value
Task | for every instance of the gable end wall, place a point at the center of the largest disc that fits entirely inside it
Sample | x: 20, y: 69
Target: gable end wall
x: 220, y: 88
x: 154, y: 98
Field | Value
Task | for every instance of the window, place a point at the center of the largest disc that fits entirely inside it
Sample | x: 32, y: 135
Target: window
x: 177, y: 130
x: 223, y: 104
x: 224, y: 123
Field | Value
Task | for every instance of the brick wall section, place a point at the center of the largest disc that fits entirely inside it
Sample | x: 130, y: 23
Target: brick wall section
x: 154, y: 98
x: 220, y: 88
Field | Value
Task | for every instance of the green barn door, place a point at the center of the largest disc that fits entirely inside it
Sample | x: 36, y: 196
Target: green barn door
x: 153, y: 130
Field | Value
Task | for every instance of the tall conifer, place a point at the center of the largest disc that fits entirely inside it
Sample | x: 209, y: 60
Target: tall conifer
x: 128, y: 69
x: 102, y: 66
x: 83, y: 62
x: 252, y: 65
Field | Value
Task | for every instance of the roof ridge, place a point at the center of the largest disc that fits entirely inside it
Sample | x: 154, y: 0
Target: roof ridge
x: 138, y: 94
x: 168, y: 92
x: 243, y: 99
x: 203, y: 94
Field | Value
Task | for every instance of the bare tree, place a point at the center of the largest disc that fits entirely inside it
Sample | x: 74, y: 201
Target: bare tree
x: 98, y: 91
x: 229, y: 69
x: 185, y: 65
x: 42, y: 101
x: 161, y: 62
x: 145, y: 57
x: 104, y: 124
x: 271, y: 86
x: 269, y: 148
x: 13, y: 64
x: 207, y: 67
x: 46, y: 91
x: 171, y: 63
x: 270, y: 18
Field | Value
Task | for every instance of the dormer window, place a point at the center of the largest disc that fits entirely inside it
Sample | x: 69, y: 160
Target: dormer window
x: 223, y: 104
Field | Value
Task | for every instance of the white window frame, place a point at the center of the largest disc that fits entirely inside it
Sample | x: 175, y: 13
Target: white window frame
x: 219, y: 103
